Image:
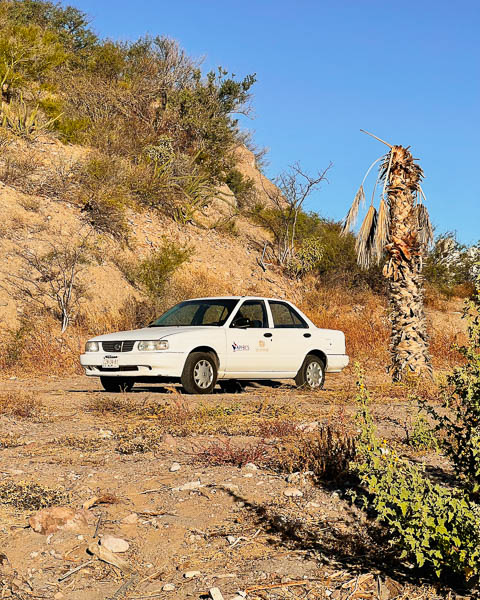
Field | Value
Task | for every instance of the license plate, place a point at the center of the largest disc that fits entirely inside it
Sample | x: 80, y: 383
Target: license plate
x: 110, y: 362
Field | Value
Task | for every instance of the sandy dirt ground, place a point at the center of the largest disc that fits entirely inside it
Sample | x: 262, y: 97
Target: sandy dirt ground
x: 191, y: 525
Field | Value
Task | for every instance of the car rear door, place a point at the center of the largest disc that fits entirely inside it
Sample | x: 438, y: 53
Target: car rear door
x: 290, y: 337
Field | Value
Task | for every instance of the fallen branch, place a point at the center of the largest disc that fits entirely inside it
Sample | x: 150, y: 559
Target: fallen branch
x: 73, y: 571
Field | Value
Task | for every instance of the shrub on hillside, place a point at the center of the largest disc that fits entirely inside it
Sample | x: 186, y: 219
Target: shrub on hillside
x: 152, y: 274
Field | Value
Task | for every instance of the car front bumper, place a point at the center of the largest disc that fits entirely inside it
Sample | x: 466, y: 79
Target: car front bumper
x: 135, y: 364
x: 337, y: 362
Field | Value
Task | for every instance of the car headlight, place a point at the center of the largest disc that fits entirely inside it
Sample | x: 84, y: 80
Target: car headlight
x: 152, y: 345
x: 92, y: 347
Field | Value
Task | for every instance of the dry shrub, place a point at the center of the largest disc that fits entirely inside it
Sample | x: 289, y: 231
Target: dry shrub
x: 277, y: 428
x: 83, y: 444
x: 327, y: 453
x: 138, y: 439
x: 9, y: 441
x: 23, y: 405
x: 105, y: 405
x: 31, y: 496
x: 225, y: 452
x: 35, y: 347
x: 361, y: 315
x: 443, y: 348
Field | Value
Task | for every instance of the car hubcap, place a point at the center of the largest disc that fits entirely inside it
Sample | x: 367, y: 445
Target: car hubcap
x: 203, y: 374
x: 314, y: 375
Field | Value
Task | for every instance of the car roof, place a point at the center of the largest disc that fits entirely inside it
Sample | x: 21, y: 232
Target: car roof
x: 237, y: 298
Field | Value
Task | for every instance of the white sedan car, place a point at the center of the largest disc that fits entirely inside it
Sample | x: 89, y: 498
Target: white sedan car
x: 208, y: 340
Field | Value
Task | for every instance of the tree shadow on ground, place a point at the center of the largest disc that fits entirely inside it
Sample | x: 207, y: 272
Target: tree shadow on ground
x: 364, y: 550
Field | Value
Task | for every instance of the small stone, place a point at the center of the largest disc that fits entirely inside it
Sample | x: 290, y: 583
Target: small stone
x: 16, y: 472
x: 48, y: 520
x: 33, y: 554
x: 241, y: 593
x: 59, y: 596
x: 313, y: 505
x: 294, y: 477
x: 105, y: 434
x: 248, y: 475
x: 191, y: 574
x: 168, y: 587
x: 292, y: 493
x: 190, y: 485
x: 114, y: 544
x: 215, y: 594
x: 175, y: 467
x: 231, y: 539
x: 251, y: 467
x: 130, y: 519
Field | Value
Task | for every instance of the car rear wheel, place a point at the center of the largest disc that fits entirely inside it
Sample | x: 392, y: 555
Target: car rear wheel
x: 312, y: 373
x: 116, y: 384
x: 199, y: 373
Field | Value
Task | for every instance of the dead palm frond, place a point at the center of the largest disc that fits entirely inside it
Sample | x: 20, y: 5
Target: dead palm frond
x: 425, y: 229
x: 383, y: 229
x: 365, y: 244
x: 351, y: 217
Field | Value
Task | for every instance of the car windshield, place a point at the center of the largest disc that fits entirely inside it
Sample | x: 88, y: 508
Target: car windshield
x: 197, y: 313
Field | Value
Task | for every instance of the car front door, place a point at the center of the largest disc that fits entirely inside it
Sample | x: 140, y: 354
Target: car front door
x: 249, y: 340
x: 290, y: 336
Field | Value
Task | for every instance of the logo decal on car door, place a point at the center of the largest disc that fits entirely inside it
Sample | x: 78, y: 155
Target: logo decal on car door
x: 240, y: 347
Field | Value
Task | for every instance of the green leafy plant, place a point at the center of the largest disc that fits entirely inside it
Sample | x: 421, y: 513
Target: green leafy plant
x: 429, y: 524
x: 153, y: 273
x: 23, y: 120
x: 457, y: 420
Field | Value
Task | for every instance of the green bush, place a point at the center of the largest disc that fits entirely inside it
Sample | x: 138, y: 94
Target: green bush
x: 429, y: 524
x: 241, y: 186
x: 457, y: 419
x: 153, y: 273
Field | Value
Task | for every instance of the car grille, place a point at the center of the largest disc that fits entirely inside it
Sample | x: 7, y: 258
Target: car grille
x: 121, y: 368
x: 118, y: 346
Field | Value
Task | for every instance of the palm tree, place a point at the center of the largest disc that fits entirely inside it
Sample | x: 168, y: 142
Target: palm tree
x: 398, y: 233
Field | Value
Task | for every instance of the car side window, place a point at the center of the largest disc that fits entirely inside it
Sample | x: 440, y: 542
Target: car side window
x: 214, y: 315
x: 254, y: 311
x: 285, y: 317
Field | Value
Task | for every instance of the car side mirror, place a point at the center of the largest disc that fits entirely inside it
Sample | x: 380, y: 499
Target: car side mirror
x: 241, y: 323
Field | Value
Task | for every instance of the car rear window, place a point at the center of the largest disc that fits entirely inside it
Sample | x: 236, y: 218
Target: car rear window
x: 285, y: 317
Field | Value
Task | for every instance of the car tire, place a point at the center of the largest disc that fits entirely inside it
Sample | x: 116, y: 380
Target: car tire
x: 199, y: 373
x: 311, y: 374
x: 116, y: 384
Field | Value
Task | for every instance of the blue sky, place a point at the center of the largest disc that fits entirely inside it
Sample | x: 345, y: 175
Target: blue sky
x: 407, y: 71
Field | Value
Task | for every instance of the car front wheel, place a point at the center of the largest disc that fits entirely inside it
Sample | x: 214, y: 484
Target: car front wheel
x: 312, y: 373
x: 116, y: 384
x: 199, y: 373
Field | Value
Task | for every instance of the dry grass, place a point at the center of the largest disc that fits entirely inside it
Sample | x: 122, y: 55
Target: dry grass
x: 22, y: 405
x: 327, y: 453
x: 31, y: 496
x: 226, y: 452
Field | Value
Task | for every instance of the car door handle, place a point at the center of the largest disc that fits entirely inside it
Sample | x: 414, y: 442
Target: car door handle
x: 307, y: 335
x: 267, y: 335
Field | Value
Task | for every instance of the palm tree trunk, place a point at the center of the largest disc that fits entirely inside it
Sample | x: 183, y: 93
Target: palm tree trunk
x: 409, y: 340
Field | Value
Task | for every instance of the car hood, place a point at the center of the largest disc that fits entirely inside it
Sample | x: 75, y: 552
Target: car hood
x: 151, y: 333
